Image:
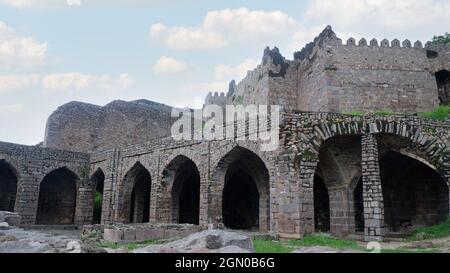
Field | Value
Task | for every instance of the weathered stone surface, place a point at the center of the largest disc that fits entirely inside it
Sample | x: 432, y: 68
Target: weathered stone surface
x: 13, y: 219
x: 205, y: 241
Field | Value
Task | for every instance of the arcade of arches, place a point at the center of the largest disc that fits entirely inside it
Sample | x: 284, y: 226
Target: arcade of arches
x: 234, y: 191
x: 414, y: 194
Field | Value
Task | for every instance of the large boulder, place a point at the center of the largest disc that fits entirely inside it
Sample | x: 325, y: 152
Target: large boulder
x: 12, y: 218
x: 207, y: 241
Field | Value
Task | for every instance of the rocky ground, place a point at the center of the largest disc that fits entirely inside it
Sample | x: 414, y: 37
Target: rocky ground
x: 18, y: 240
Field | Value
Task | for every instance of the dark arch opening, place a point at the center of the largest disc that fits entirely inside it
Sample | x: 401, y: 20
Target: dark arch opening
x: 334, y: 183
x: 185, y: 190
x: 443, y: 84
x: 358, y: 202
x: 8, y: 186
x: 57, y: 198
x: 414, y: 194
x: 137, y: 185
x: 321, y: 206
x: 245, y: 203
x: 98, y: 180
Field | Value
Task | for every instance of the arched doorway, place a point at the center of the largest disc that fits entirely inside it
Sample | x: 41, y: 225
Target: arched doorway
x: 137, y: 188
x: 98, y: 180
x: 414, y: 194
x: 245, y: 192
x: 183, y: 180
x: 57, y: 198
x: 8, y: 186
x: 334, y: 181
x: 443, y: 84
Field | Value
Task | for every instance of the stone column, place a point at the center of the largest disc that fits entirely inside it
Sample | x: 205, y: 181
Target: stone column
x: 342, y: 216
x: 109, y: 205
x: 84, y: 204
x: 307, y: 171
x: 372, y: 192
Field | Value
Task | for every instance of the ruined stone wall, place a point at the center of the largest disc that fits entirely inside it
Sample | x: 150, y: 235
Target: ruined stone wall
x: 329, y: 76
x: 375, y: 77
x: 31, y: 165
x: 253, y: 89
x: 83, y: 127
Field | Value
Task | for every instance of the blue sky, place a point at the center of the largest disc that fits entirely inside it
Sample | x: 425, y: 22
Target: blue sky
x: 56, y: 51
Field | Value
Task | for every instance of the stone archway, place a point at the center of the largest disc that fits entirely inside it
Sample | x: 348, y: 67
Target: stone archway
x: 181, y: 180
x: 136, y: 190
x: 242, y: 179
x: 98, y: 181
x: 338, y: 167
x: 57, y: 198
x: 8, y: 186
x: 414, y: 194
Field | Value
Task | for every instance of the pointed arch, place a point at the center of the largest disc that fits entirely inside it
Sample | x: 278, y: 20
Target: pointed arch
x: 181, y: 182
x: 240, y: 191
x: 8, y: 186
x: 57, y: 198
x: 98, y: 182
x: 135, y: 195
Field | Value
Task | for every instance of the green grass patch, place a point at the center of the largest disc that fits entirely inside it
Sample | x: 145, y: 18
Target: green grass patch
x: 437, y: 231
x: 385, y: 112
x: 271, y: 246
x: 355, y: 113
x: 440, y: 113
x: 405, y: 250
x: 326, y: 241
x: 129, y: 246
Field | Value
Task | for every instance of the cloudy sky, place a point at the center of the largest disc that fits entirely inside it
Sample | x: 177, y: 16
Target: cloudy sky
x: 171, y: 51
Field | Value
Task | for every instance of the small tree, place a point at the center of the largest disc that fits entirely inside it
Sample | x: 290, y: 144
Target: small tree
x: 443, y: 39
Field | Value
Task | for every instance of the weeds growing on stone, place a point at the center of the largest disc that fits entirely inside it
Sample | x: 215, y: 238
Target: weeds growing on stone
x: 437, y: 231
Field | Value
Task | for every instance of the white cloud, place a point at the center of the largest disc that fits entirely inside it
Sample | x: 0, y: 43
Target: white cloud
x: 168, y: 65
x: 420, y: 19
x: 23, y: 4
x: 12, y: 82
x: 6, y: 110
x: 225, y: 27
x: 17, y: 50
x: 79, y: 81
x: 237, y: 72
x: 73, y: 2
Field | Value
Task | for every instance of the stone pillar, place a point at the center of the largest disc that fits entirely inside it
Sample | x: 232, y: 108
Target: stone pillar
x: 372, y: 191
x: 27, y: 197
x: 342, y: 216
x: 109, y: 205
x: 307, y: 171
x: 84, y: 205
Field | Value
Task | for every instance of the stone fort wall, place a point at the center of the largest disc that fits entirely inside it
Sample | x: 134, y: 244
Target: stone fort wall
x: 330, y: 76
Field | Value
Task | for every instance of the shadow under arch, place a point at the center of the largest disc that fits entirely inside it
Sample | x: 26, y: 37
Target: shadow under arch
x: 181, y: 182
x: 8, y: 186
x: 98, y: 182
x: 135, y: 195
x: 57, y: 198
x: 240, y: 191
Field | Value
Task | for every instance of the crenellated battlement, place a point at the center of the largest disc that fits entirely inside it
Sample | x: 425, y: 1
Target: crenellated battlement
x: 385, y: 43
